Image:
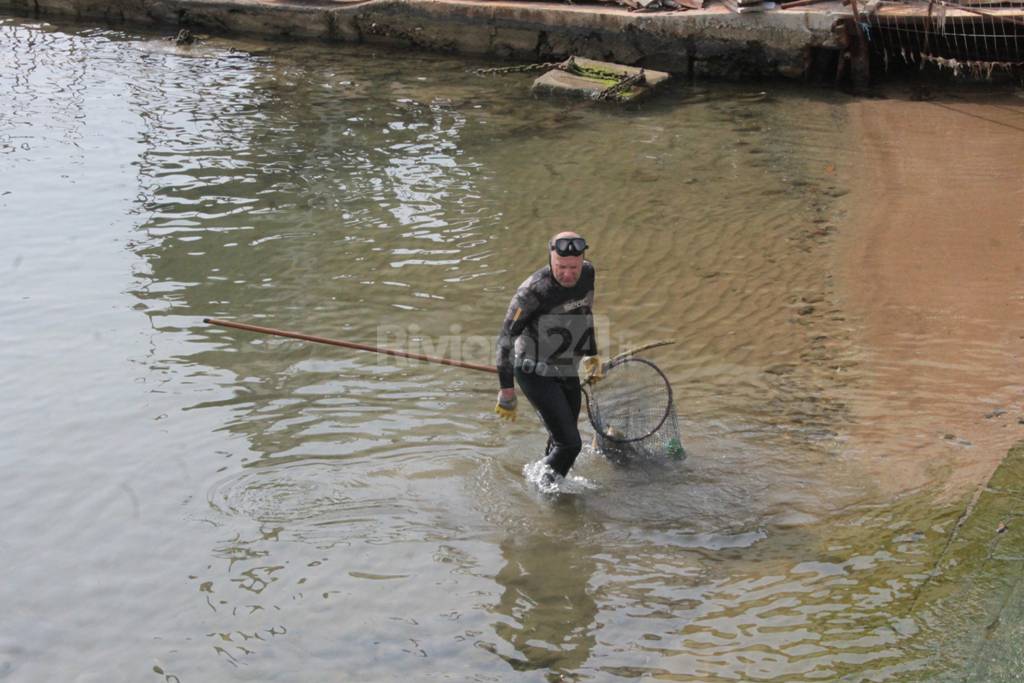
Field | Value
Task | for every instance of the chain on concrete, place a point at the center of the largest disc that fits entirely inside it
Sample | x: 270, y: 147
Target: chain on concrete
x: 613, y: 92
x: 524, y: 68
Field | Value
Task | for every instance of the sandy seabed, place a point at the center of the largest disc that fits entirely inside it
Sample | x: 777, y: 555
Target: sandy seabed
x: 932, y: 270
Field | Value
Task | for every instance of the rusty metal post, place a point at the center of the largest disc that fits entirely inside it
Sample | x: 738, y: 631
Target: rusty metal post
x: 854, y: 58
x: 860, y: 57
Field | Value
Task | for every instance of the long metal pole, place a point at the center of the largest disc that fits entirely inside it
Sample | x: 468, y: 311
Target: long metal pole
x: 349, y: 345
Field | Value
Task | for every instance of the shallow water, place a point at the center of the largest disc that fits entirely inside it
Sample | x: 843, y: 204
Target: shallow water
x: 191, y: 503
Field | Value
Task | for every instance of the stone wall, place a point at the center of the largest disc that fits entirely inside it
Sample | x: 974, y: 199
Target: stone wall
x: 709, y: 43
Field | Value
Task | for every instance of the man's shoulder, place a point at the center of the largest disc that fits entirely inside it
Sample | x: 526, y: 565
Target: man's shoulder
x: 587, y: 277
x: 537, y: 280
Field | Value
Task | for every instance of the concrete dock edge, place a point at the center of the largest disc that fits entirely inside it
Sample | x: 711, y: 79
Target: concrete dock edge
x: 711, y: 43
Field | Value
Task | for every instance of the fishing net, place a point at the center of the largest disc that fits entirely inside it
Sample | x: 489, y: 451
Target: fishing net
x: 966, y: 37
x: 633, y: 412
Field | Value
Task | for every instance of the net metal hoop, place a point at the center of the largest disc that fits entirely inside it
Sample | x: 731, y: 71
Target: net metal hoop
x: 668, y: 404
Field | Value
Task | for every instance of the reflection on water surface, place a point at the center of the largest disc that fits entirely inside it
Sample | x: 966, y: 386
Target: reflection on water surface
x: 201, y: 504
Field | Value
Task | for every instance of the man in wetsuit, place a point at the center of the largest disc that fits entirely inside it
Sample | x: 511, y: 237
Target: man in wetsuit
x: 548, y: 329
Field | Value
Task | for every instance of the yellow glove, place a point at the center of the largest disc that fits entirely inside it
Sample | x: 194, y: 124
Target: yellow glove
x: 592, y: 369
x: 506, y: 408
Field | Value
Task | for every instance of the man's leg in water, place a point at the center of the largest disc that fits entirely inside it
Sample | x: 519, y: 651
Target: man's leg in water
x: 558, y: 402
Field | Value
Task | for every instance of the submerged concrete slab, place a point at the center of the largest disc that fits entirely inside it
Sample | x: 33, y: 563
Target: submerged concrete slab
x: 590, y: 79
x: 711, y: 42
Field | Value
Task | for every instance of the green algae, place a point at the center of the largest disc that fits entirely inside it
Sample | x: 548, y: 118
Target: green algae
x: 973, y: 599
x: 920, y: 590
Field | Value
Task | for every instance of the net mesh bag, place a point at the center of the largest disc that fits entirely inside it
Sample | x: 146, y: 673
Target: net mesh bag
x: 633, y: 412
x: 974, y: 38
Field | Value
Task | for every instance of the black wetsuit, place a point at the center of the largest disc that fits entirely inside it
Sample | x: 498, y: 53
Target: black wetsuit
x: 546, y: 331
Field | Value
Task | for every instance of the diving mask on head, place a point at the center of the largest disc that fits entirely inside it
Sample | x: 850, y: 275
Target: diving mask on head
x: 568, y: 246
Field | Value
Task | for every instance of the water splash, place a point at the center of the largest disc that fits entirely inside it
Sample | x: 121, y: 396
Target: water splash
x: 540, y: 474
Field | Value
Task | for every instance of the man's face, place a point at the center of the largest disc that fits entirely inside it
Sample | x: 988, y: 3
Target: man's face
x: 566, y: 269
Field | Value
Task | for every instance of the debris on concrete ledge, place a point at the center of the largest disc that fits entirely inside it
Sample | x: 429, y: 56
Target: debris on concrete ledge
x: 660, y: 5
x: 748, y: 6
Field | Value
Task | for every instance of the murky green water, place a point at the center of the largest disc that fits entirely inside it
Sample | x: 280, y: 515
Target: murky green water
x: 193, y: 504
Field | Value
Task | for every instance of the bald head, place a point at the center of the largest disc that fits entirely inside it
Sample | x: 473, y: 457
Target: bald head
x: 566, y: 269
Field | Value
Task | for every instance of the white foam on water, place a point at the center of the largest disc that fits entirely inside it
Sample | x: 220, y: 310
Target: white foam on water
x: 535, y: 472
